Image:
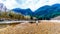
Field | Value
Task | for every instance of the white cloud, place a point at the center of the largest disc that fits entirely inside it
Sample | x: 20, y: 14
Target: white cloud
x: 45, y: 2
x: 32, y: 4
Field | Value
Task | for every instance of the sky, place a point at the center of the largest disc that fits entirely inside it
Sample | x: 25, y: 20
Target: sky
x: 24, y: 4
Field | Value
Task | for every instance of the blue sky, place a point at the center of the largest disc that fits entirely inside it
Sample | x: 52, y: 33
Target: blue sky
x: 24, y: 4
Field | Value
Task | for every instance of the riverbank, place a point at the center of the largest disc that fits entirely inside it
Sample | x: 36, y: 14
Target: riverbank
x: 43, y: 27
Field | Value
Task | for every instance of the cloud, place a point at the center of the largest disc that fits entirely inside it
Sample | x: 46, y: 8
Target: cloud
x: 10, y: 4
x: 24, y: 4
x: 21, y: 1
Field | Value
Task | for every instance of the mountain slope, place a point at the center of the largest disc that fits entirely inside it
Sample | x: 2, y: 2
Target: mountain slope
x: 23, y: 11
x: 48, y: 12
x: 45, y: 12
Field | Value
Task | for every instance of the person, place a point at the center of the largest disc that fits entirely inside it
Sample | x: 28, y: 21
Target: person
x: 37, y: 22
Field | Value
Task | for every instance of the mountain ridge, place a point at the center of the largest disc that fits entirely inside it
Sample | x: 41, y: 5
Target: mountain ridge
x: 44, y: 12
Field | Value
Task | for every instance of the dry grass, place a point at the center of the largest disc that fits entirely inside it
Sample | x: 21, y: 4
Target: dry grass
x: 44, y: 27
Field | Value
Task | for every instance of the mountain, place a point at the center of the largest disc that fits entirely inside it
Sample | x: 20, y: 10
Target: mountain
x: 42, y: 10
x: 2, y: 7
x: 48, y: 12
x: 23, y: 11
x: 45, y: 12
